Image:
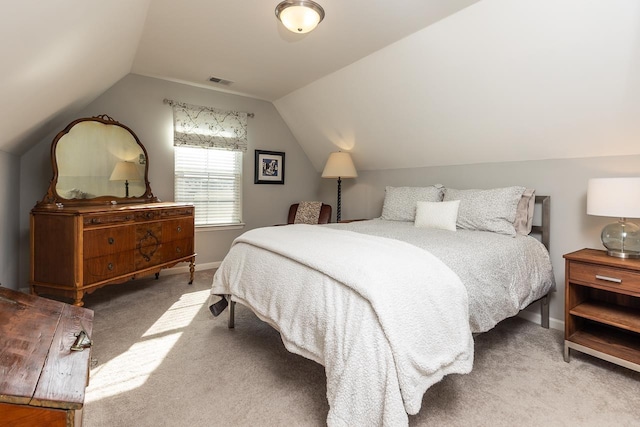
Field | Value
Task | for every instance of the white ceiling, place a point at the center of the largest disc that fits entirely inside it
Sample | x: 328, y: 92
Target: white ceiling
x: 499, y: 81
x: 60, y: 55
x: 57, y: 56
x: 400, y: 84
x: 242, y: 41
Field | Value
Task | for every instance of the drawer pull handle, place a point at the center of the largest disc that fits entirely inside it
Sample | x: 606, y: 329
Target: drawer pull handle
x: 111, y: 240
x: 179, y: 229
x: 95, y: 220
x: 608, y: 279
x: 178, y: 250
x: 110, y: 266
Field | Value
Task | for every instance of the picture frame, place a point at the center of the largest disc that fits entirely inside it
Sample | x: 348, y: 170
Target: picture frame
x: 269, y: 167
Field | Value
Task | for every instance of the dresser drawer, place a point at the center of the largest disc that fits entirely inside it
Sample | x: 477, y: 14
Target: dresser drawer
x: 102, y: 219
x: 186, y: 211
x: 177, y: 229
x: 177, y: 249
x: 106, y: 267
x: 603, y: 276
x: 104, y: 241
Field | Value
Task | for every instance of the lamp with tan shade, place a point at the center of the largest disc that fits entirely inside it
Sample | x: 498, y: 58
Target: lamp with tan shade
x: 339, y: 165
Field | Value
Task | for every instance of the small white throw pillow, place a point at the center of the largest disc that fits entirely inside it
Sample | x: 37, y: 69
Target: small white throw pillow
x: 442, y: 215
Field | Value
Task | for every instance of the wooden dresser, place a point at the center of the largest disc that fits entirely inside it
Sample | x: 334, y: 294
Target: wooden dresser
x: 78, y: 249
x: 42, y: 381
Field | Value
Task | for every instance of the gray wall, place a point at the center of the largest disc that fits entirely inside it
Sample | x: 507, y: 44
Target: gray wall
x: 9, y: 220
x: 137, y: 102
x: 564, y: 180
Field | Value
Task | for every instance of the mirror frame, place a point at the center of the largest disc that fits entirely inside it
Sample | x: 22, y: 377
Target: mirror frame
x: 53, y: 198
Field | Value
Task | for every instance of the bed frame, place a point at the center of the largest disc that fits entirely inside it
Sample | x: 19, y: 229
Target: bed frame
x: 543, y: 230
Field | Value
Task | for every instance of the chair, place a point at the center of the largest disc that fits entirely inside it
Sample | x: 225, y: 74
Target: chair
x: 324, y: 217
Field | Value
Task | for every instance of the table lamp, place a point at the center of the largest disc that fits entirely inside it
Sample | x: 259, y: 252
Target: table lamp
x: 617, y: 197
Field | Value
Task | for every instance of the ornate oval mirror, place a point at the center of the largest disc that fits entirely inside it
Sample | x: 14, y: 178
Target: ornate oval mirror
x: 98, y: 160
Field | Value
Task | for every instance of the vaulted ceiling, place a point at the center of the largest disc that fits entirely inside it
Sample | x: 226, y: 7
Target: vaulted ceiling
x: 59, y: 56
x: 400, y: 84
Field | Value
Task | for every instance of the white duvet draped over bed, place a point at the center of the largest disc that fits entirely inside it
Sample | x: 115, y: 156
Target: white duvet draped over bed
x: 386, y: 328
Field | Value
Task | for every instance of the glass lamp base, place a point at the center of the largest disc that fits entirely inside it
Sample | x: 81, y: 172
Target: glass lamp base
x: 630, y: 255
x: 622, y: 239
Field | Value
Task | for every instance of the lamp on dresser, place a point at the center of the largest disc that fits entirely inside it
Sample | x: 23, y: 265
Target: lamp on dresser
x: 619, y: 198
x: 125, y: 171
x: 339, y: 165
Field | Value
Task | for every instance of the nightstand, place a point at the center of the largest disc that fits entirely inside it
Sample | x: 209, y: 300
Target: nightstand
x: 602, y: 307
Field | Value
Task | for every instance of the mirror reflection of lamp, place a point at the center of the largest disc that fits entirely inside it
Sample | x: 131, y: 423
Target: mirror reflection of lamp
x: 125, y: 171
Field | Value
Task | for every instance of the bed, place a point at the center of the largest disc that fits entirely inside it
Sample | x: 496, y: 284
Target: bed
x: 389, y: 306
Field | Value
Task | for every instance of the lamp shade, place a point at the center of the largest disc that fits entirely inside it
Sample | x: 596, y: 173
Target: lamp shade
x: 125, y: 171
x: 614, y: 197
x: 617, y: 197
x: 339, y: 165
x: 299, y: 16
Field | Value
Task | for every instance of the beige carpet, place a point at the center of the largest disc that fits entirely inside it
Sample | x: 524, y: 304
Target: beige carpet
x: 161, y: 359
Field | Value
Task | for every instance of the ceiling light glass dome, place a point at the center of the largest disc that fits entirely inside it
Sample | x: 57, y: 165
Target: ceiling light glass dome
x: 300, y: 16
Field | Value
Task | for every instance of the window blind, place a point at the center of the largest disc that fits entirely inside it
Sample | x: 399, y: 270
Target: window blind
x: 211, y: 179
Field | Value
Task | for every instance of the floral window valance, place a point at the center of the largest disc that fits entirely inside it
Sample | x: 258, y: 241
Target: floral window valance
x: 198, y: 126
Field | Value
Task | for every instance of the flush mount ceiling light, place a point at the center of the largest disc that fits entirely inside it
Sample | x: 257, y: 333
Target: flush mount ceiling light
x: 299, y: 16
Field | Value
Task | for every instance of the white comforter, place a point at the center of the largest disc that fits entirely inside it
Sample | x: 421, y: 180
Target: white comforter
x: 386, y: 318
x: 502, y: 274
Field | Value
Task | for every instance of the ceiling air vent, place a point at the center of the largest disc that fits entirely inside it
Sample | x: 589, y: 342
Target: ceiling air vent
x: 220, y: 81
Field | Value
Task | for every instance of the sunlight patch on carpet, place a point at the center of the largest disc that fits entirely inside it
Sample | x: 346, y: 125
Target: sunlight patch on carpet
x: 180, y: 314
x: 132, y: 368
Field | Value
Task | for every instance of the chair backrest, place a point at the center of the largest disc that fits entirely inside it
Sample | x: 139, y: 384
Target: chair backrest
x: 325, y: 214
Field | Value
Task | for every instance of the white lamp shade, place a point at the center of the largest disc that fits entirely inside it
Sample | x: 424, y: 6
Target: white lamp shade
x: 125, y: 171
x: 614, y: 197
x: 299, y: 16
x: 339, y: 165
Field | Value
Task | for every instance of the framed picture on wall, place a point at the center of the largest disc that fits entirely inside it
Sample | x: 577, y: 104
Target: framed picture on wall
x: 269, y: 167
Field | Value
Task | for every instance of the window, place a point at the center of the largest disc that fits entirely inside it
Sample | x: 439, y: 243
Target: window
x: 211, y: 179
x: 209, y: 144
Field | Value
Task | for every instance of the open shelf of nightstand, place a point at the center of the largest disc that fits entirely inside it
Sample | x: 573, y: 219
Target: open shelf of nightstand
x: 608, y: 341
x: 609, y: 314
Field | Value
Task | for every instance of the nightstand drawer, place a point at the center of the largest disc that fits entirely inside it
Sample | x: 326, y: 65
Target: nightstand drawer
x: 602, y: 276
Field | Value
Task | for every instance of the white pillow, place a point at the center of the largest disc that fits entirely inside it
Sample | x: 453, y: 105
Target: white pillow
x: 441, y: 215
x: 400, y: 202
